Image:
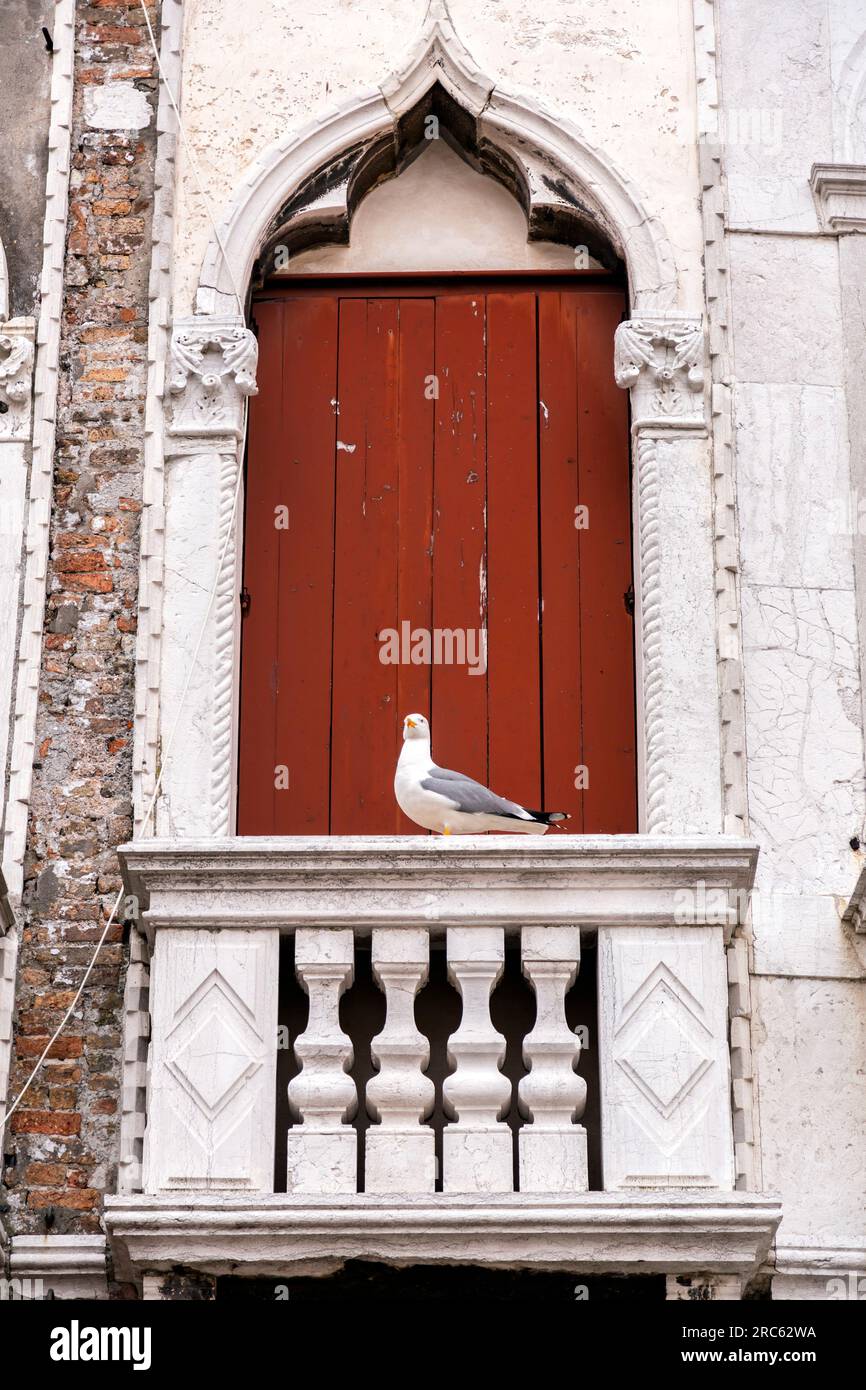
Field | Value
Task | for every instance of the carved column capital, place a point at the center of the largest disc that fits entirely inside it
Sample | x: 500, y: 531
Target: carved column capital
x: 661, y: 359
x: 16, y: 377
x: 211, y: 371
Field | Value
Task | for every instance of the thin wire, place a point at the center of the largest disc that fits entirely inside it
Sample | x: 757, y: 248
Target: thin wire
x: 156, y: 788
x: 193, y: 664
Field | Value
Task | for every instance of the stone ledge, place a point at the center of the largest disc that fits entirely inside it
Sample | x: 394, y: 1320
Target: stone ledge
x: 819, y: 1273
x: 364, y: 882
x: 595, y: 1233
x: 839, y: 191
x: 67, y: 1266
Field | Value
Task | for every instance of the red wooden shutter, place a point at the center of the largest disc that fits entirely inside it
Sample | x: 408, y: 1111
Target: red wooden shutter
x: 431, y: 441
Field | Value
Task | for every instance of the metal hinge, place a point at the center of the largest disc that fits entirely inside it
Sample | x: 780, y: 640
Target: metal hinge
x: 245, y: 601
x: 628, y: 600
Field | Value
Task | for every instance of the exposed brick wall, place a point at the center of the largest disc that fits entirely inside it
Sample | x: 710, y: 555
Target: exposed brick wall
x: 64, y: 1137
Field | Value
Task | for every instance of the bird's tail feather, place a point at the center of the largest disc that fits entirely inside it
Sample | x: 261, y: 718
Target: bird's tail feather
x: 548, y: 817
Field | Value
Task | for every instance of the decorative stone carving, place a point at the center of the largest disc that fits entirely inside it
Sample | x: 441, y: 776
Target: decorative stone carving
x: 662, y: 979
x: 16, y: 376
x: 477, y: 1150
x: 136, y: 1037
x: 399, y: 1153
x: 323, y: 1148
x: 557, y: 170
x: 552, y: 1148
x: 213, y: 1062
x: 665, y: 1072
x: 211, y: 372
x: 660, y: 358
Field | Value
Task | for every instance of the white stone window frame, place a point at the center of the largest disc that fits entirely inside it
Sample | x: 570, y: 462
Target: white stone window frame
x: 203, y: 369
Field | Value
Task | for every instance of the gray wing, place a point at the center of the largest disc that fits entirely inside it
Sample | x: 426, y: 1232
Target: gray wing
x: 468, y: 795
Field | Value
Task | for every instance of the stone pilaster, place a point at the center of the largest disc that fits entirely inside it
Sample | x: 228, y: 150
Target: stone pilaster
x: 210, y: 375
x: 661, y: 359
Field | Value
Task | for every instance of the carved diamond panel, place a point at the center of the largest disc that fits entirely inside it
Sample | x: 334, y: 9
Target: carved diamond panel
x: 663, y: 1023
x: 212, y: 1094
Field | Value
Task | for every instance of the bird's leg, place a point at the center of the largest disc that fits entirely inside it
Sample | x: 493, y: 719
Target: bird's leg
x: 447, y: 830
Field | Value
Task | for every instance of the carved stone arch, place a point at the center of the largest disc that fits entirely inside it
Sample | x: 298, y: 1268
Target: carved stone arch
x: 305, y: 189
x: 851, y: 104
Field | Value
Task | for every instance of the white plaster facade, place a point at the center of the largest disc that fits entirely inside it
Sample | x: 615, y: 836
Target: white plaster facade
x: 741, y: 221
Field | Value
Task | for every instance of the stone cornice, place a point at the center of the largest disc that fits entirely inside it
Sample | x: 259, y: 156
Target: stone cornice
x: 807, y: 1259
x: 839, y: 191
x: 597, y: 1232
x: 68, y: 1266
x: 367, y: 882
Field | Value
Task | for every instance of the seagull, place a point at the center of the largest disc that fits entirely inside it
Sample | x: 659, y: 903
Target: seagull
x: 450, y: 802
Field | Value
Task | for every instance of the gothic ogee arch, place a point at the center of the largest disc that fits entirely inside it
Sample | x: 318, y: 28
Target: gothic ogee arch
x: 305, y: 189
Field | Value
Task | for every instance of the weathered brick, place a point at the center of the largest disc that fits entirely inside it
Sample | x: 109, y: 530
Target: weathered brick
x: 45, y: 1122
x: 66, y: 1132
x: 44, y: 1174
x: 64, y: 1046
x: 76, y: 1198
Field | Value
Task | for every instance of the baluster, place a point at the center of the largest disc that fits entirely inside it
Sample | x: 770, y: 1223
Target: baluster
x: 400, y: 1152
x: 322, y: 1150
x: 477, y: 1150
x: 552, y: 1149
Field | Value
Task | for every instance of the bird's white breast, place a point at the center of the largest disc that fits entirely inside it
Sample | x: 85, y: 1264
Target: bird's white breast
x: 424, y: 807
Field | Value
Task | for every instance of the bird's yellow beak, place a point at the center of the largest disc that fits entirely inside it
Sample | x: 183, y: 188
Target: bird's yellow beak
x: 410, y: 723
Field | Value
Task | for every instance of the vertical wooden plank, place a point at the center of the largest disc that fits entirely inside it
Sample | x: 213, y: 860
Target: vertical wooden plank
x: 257, y: 732
x: 607, y: 648
x: 459, y: 697
x: 302, y: 631
x: 560, y: 556
x: 513, y: 682
x: 364, y: 695
x: 415, y: 422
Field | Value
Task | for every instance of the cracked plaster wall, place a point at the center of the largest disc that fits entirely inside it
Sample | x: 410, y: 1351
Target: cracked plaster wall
x: 797, y: 460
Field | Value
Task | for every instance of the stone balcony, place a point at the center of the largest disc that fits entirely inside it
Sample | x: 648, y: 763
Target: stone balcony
x: 485, y: 1160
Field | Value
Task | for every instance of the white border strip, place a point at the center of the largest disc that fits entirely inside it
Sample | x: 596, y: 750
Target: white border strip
x: 151, y: 589
x: 41, y: 482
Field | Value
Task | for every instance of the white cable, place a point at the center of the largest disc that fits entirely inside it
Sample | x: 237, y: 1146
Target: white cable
x: 194, y: 662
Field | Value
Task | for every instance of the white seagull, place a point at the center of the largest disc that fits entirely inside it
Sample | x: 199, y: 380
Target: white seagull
x: 450, y: 802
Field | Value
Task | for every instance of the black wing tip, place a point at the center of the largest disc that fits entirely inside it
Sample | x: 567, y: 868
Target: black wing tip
x: 550, y: 817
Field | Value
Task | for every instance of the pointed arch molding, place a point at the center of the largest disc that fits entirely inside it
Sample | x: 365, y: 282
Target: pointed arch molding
x: 307, y: 186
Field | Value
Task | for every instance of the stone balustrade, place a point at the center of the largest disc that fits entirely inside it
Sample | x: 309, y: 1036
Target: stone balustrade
x: 408, y: 1142
x: 659, y: 912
